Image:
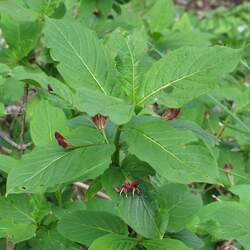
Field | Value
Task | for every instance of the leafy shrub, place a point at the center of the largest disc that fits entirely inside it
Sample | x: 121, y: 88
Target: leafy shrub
x: 122, y: 128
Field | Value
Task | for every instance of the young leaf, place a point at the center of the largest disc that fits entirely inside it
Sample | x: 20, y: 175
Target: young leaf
x: 198, y: 70
x: 86, y: 226
x: 83, y: 60
x: 161, y: 15
x: 166, y: 150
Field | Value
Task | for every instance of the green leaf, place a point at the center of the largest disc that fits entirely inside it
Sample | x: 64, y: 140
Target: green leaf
x: 161, y: 15
x: 7, y: 163
x: 17, y: 10
x: 165, y: 244
x: 21, y: 36
x: 182, y: 205
x: 48, y: 166
x: 86, y: 226
x: 51, y: 239
x: 226, y: 220
x: 166, y: 150
x: 198, y: 71
x: 94, y: 102
x: 17, y: 232
x: 11, y: 91
x: 45, y: 121
x: 60, y: 89
x: 129, y: 51
x: 243, y: 192
x: 189, y: 238
x: 83, y: 60
x: 16, y: 218
x: 2, y: 110
x: 113, y: 242
x: 139, y: 214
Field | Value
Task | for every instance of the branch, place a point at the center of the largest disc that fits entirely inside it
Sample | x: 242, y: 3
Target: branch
x: 85, y: 187
x: 22, y: 118
x: 6, y: 138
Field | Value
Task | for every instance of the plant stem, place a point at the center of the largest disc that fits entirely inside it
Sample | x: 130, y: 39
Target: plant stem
x: 9, y: 245
x: 116, y: 155
x: 59, y: 197
x: 22, y: 118
x: 105, y: 136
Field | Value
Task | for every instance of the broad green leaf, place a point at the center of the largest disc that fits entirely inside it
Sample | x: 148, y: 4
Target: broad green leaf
x: 17, y: 208
x: 181, y: 205
x: 68, y: 208
x: 17, y: 232
x: 17, y: 10
x: 165, y: 244
x: 86, y: 226
x: 199, y: 69
x: 2, y: 110
x: 16, y: 218
x: 139, y: 214
x: 189, y: 238
x: 45, y: 7
x: 48, y: 166
x: 226, y: 220
x: 176, y: 39
x: 11, y: 91
x: 97, y: 204
x: 22, y: 73
x: 161, y: 15
x: 51, y: 239
x: 21, y: 36
x: 94, y: 102
x: 166, y: 150
x: 7, y: 163
x: 82, y: 59
x: 45, y: 121
x: 238, y: 174
x: 113, y: 242
x: 243, y: 192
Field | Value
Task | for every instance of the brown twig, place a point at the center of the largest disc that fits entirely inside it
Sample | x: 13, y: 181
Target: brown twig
x: 7, y: 139
x: 9, y: 245
x: 85, y: 187
x: 5, y: 150
x: 22, y: 119
x: 75, y: 10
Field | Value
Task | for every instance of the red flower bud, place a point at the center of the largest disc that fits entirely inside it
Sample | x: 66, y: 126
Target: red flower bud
x: 228, y: 167
x: 128, y: 186
x: 171, y: 113
x: 50, y: 89
x: 61, y: 140
x: 99, y: 121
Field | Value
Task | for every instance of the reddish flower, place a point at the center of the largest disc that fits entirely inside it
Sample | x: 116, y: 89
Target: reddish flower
x: 171, y: 113
x: 228, y: 167
x: 61, y: 140
x: 128, y: 187
x: 50, y: 89
x: 99, y: 121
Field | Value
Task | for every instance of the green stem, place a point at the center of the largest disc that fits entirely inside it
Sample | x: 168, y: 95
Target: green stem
x: 59, y: 197
x: 105, y: 136
x: 116, y: 155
